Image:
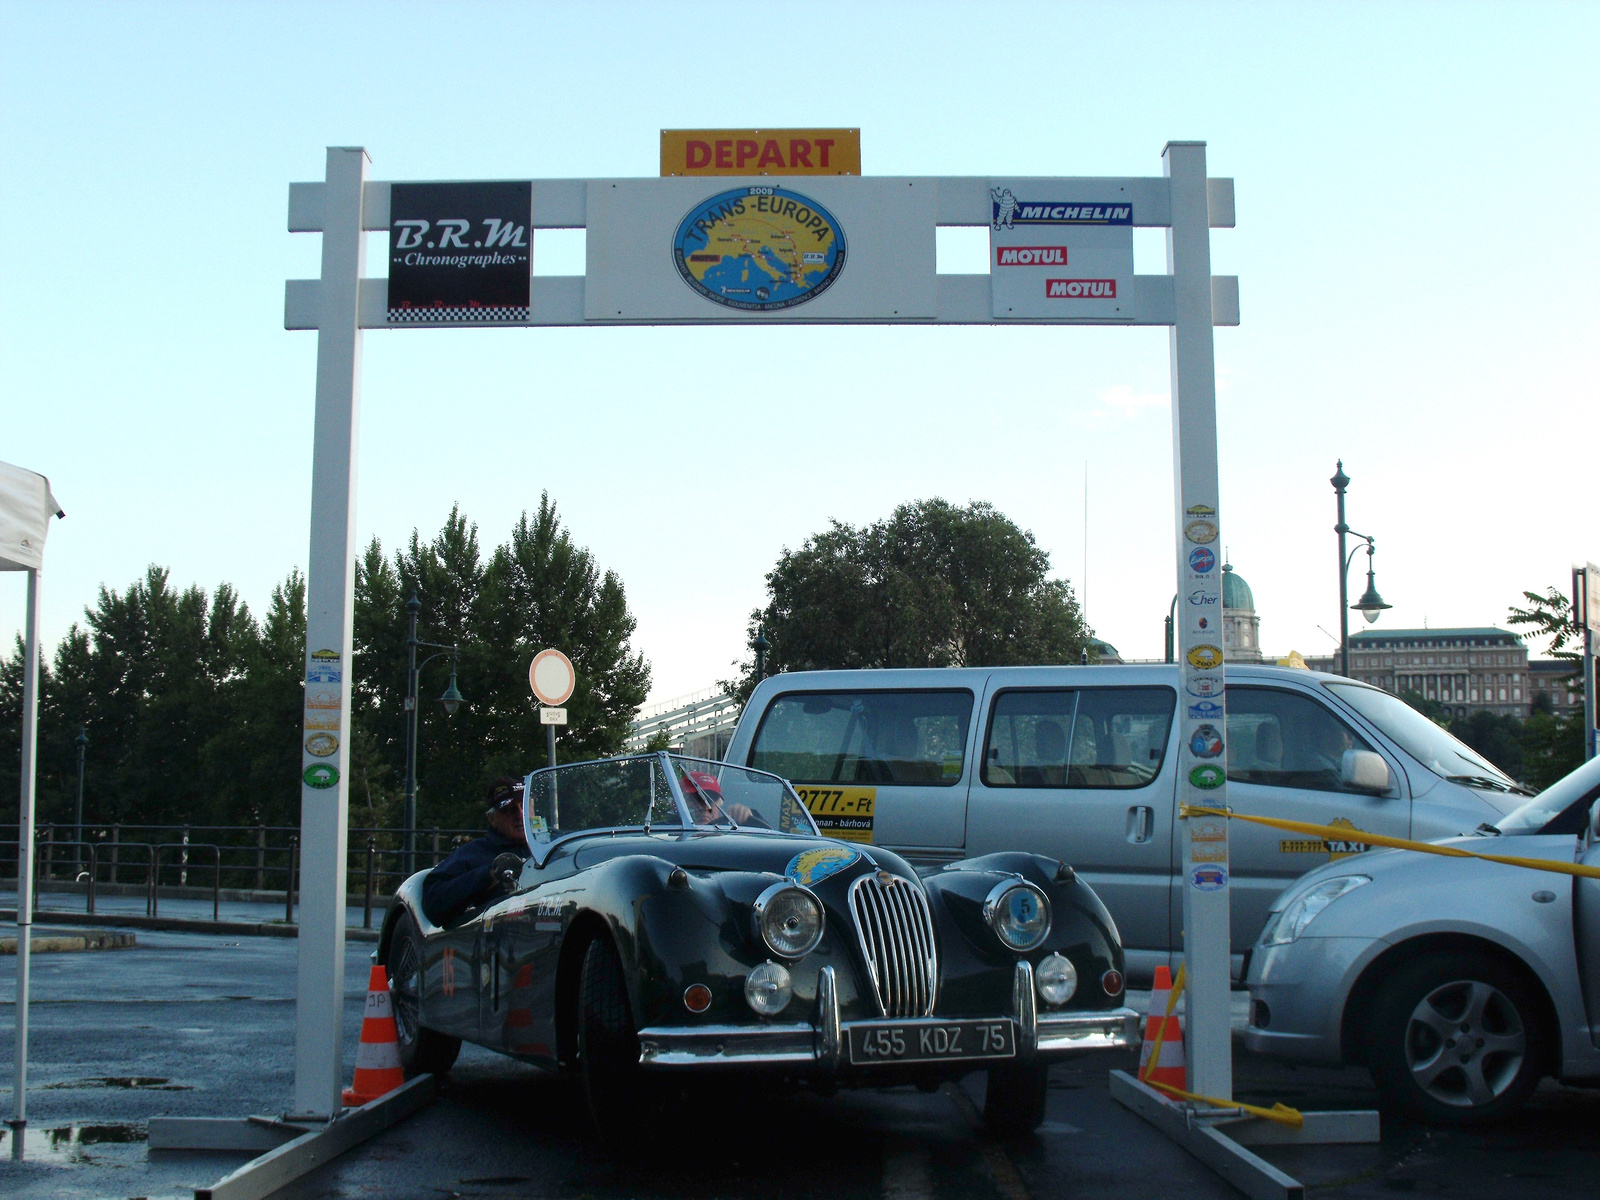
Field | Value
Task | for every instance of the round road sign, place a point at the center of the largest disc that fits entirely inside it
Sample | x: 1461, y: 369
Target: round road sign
x: 551, y: 677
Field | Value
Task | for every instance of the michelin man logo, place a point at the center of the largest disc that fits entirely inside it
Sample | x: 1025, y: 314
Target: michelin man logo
x: 1005, y: 207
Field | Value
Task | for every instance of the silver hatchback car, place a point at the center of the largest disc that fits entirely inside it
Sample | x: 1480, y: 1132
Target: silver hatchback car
x: 1458, y: 982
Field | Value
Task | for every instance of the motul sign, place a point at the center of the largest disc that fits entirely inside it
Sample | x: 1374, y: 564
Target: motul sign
x: 1030, y: 256
x: 1075, y: 289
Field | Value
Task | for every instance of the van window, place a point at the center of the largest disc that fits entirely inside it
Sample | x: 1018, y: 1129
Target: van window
x: 1284, y: 739
x: 1094, y: 738
x: 915, y: 738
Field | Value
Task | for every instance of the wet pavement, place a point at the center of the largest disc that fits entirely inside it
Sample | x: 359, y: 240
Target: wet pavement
x: 197, y: 1025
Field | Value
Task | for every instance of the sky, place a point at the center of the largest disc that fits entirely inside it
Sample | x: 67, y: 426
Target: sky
x: 1415, y: 247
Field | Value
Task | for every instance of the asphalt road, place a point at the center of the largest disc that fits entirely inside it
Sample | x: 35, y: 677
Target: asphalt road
x: 189, y: 1024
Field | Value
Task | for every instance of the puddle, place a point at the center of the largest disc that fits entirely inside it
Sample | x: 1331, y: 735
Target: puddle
x: 148, y: 1083
x: 69, y: 1143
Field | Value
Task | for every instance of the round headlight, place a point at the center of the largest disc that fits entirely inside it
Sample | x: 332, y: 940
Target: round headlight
x: 788, y: 919
x: 768, y: 989
x: 1019, y: 914
x: 1056, y: 979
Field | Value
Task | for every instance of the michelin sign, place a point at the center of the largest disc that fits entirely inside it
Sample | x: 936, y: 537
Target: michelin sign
x: 1058, y: 253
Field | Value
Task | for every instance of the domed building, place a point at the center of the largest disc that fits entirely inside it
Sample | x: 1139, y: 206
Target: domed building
x: 1241, y: 628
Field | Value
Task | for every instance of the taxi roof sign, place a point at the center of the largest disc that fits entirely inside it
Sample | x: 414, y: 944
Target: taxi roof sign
x: 760, y: 152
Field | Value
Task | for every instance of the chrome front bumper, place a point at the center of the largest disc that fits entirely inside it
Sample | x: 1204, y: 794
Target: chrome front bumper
x: 821, y: 1045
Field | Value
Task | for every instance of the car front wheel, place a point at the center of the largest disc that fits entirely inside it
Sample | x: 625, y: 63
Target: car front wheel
x: 1455, y: 1039
x: 608, y: 1046
x: 1014, y: 1098
x: 422, y: 1050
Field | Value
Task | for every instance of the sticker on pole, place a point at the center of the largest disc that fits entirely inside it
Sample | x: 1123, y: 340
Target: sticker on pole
x: 320, y: 776
x: 1209, y: 878
x: 552, y: 678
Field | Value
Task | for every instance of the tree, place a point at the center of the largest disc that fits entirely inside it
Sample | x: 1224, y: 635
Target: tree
x: 934, y: 585
x: 540, y: 589
x: 1552, y: 744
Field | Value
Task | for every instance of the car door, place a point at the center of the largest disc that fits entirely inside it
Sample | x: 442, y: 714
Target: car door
x: 1284, y: 748
x: 453, y: 956
x: 1084, y: 775
x: 1586, y: 927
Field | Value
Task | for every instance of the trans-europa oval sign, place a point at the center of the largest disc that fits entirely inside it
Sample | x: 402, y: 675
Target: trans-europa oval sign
x: 761, y: 249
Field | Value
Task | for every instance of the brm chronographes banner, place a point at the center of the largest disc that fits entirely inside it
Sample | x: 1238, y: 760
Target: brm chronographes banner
x: 459, y: 253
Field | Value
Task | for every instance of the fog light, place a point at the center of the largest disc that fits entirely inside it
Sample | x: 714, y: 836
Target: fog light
x: 1112, y: 982
x: 1260, y: 1014
x: 768, y: 989
x: 697, y: 997
x: 1056, y: 979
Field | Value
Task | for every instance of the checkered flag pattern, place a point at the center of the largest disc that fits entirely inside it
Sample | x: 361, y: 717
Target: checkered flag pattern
x: 456, y: 315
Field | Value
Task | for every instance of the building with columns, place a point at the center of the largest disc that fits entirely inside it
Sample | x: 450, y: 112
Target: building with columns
x: 1467, y: 670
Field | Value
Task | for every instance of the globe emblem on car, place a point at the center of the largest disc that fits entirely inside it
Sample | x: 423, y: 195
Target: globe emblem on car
x: 760, y: 249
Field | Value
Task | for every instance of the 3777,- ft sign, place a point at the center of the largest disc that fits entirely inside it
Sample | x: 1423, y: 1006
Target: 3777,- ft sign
x: 459, y: 252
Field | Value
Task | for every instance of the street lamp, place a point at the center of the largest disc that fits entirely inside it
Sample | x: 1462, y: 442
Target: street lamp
x: 1371, y: 604
x: 761, y: 646
x: 451, y: 701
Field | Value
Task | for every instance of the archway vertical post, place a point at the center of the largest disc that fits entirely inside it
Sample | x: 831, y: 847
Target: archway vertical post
x: 330, y: 607
x: 1203, y: 759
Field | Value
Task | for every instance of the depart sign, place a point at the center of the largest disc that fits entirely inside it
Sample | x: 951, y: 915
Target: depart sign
x: 760, y: 152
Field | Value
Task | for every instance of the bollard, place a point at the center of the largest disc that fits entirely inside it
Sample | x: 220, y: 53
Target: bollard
x: 216, y: 886
x: 288, y: 891
x: 261, y: 858
x: 94, y: 869
x: 366, y: 904
x: 152, y: 901
x: 49, y: 850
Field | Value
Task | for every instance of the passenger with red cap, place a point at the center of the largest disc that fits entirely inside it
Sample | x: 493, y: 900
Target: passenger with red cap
x: 706, y: 805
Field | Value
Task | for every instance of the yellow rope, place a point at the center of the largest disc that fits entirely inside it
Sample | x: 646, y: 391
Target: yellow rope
x: 1281, y: 1113
x: 1337, y: 833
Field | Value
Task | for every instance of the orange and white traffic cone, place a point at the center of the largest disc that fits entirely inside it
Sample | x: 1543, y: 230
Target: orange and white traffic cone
x: 378, y: 1070
x: 1164, y: 1065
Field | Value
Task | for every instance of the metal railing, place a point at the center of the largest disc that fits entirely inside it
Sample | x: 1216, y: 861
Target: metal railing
x: 234, y: 862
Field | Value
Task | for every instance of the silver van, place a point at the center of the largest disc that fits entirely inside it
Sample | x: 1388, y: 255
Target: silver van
x: 1080, y: 763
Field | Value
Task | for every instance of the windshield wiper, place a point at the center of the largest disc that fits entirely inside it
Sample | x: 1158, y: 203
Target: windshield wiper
x: 1485, y: 781
x: 1487, y: 830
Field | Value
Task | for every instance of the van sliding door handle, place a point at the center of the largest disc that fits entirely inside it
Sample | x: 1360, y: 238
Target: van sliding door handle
x: 1141, y: 823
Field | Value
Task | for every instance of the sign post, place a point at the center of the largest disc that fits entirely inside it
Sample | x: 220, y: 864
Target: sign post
x: 552, y: 679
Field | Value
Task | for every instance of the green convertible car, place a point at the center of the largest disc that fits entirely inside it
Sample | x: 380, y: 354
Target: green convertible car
x: 681, y: 915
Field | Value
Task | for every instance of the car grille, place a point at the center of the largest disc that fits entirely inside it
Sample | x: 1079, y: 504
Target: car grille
x: 895, y: 929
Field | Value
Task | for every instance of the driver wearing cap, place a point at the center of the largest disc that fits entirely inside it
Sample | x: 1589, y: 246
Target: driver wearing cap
x: 706, y: 805
x: 466, y: 878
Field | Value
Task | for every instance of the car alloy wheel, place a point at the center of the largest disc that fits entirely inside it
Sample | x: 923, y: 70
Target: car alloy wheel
x: 1465, y: 1043
x: 1455, y: 1038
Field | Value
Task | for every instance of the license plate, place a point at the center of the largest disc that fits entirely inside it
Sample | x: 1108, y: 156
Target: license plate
x: 928, y: 1041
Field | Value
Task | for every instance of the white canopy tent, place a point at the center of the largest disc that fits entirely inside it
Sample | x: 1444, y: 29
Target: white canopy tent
x: 26, y: 506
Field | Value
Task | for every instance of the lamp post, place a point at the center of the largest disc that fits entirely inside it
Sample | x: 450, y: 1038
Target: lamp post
x: 451, y: 701
x: 82, y: 742
x: 1371, y: 604
x: 761, y: 646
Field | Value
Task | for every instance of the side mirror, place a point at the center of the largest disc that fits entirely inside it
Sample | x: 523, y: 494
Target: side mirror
x: 1594, y: 821
x: 506, y: 870
x: 1364, y: 771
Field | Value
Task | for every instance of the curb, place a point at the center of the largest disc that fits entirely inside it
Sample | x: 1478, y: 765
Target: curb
x: 183, y: 925
x: 56, y: 943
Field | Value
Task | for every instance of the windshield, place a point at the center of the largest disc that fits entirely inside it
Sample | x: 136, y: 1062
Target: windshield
x: 1421, y: 738
x: 658, y: 790
x: 1563, y: 807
